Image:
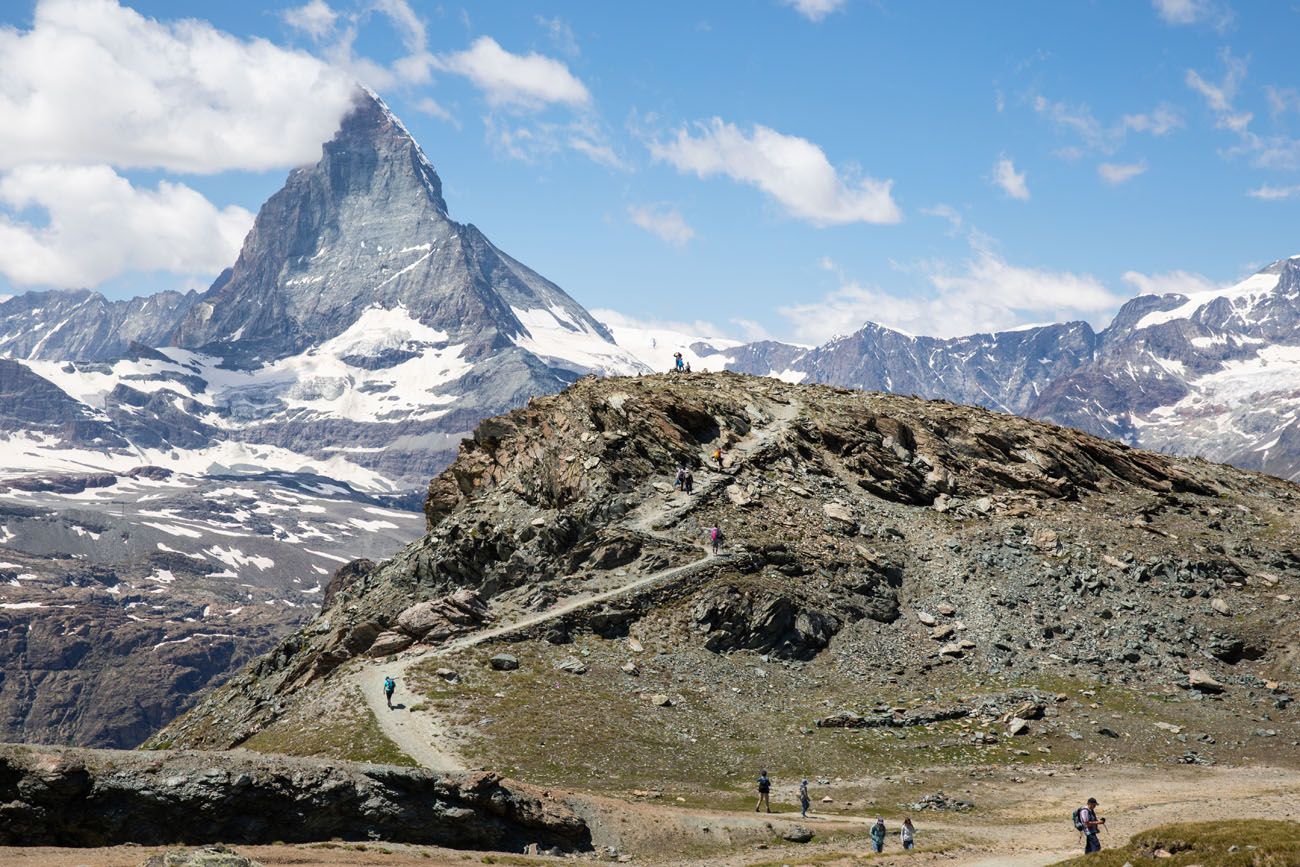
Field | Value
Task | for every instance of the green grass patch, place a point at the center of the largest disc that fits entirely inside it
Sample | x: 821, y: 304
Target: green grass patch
x: 342, y: 728
x: 1257, y: 842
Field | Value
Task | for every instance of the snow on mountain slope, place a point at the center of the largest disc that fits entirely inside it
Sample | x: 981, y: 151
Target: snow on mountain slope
x: 653, y: 345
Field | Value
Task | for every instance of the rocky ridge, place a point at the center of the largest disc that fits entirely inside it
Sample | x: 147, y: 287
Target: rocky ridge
x: 68, y: 797
x: 870, y: 539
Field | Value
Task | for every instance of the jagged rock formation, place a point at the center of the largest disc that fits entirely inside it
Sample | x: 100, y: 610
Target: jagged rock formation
x: 53, y: 796
x: 844, y: 514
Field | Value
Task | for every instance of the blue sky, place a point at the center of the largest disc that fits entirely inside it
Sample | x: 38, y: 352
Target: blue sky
x: 765, y: 168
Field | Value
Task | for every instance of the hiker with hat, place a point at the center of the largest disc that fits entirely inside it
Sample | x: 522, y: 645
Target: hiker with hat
x: 1089, y: 825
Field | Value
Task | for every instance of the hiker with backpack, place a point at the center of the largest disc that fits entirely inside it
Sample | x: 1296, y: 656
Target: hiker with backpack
x: 804, y: 801
x: 715, y: 538
x: 717, y: 456
x: 389, y: 686
x: 878, y: 835
x: 678, y: 363
x: 1087, y: 823
x: 764, y: 789
x: 688, y: 481
x: 680, y: 481
x: 908, y: 833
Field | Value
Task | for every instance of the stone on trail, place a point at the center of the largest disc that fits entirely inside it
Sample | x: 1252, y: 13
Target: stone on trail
x: 798, y: 834
x: 926, y: 618
x: 630, y: 667
x: 1220, y: 607
x: 1018, y: 726
x: 504, y: 662
x: 950, y: 649
x: 947, y: 610
x: 838, y: 512
x: 1201, y: 681
x: 660, y: 700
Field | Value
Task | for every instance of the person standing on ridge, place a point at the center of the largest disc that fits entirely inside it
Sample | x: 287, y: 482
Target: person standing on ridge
x: 680, y: 482
x: 688, y: 481
x: 715, y: 538
x: 1086, y: 820
x: 878, y: 835
x: 389, y: 686
x: 677, y: 362
x: 764, y: 789
x: 804, y: 801
x: 717, y: 456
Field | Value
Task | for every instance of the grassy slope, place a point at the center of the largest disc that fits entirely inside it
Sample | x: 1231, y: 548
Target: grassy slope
x: 1259, y: 843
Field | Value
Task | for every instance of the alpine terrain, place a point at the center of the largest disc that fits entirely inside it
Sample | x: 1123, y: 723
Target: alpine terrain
x: 909, y: 597
x: 180, y: 475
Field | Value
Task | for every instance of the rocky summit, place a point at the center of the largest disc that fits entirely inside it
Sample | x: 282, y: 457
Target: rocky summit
x: 893, y: 574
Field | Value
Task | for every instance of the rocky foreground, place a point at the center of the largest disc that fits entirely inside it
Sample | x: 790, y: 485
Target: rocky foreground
x: 64, y: 796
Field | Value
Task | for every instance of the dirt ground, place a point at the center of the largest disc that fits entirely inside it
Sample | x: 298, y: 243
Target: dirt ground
x: 1014, y: 824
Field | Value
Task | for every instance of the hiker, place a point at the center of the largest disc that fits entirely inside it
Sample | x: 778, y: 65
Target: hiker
x: 677, y: 362
x: 681, y: 479
x: 688, y: 481
x: 804, y: 801
x: 688, y: 367
x: 717, y: 456
x: 389, y: 686
x: 764, y: 787
x: 878, y: 835
x: 1088, y: 824
x: 908, y: 833
x: 715, y: 537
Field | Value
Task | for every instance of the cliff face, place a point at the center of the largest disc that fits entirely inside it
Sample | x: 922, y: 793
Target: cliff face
x: 67, y: 797
x: 842, y: 513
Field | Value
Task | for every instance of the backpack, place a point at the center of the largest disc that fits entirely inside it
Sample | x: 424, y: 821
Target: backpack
x: 1077, y: 818
x: 764, y: 785
x: 389, y: 685
x: 714, y: 534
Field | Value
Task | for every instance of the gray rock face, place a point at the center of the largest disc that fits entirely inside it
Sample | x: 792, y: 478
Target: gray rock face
x: 68, y: 797
x: 85, y: 326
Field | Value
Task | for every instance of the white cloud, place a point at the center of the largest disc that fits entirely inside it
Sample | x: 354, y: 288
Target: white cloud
x: 560, y: 34
x: 662, y: 221
x: 815, y: 10
x: 1161, y: 121
x: 1169, y: 283
x: 99, y: 227
x: 792, y: 170
x: 409, y: 27
x: 523, y: 81
x: 93, y: 82
x: 1282, y: 99
x: 1219, y: 97
x: 1011, y: 181
x: 1268, y: 151
x: 1273, y: 194
x: 986, y: 293
x: 946, y: 212
x: 1079, y: 122
x: 315, y: 18
x: 1181, y: 12
x: 433, y: 108
x: 1118, y: 173
x: 534, y: 141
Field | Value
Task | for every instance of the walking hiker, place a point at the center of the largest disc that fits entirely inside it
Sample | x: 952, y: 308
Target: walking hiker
x: 878, y: 835
x: 1087, y: 823
x: 764, y: 788
x: 680, y: 482
x: 688, y: 481
x: 715, y: 538
x: 908, y: 833
x: 389, y: 686
x: 804, y: 801
x: 717, y: 456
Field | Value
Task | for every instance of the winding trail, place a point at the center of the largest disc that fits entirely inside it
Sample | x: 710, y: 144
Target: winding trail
x: 421, y: 734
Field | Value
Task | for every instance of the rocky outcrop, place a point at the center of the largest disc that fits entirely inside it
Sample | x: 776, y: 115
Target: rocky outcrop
x: 1014, y: 538
x: 66, y: 797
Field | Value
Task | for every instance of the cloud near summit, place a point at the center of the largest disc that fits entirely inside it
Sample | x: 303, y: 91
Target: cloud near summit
x: 793, y: 171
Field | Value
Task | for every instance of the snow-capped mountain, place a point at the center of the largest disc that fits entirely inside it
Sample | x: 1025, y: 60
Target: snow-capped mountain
x: 360, y: 334
x: 1216, y: 374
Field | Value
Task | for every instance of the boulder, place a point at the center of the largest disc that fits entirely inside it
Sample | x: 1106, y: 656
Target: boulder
x: 1220, y: 607
x: 206, y: 856
x: 1201, y: 681
x: 1017, y: 726
x: 658, y: 699
x: 572, y: 665
x: 838, y: 512
x: 436, y: 620
x: 388, y: 643
x: 504, y: 662
x: 926, y: 618
x: 798, y: 834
